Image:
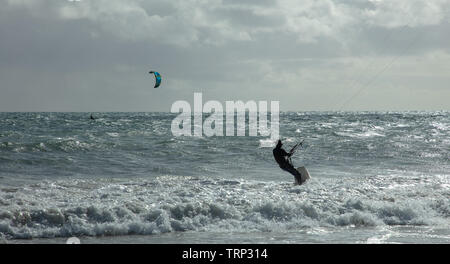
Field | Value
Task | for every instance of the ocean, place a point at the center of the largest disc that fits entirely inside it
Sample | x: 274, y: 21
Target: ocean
x: 376, y: 177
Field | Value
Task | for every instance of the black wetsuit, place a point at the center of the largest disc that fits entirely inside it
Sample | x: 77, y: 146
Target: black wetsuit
x: 282, y: 158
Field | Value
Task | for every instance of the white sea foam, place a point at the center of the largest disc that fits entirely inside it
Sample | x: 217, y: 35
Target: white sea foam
x: 173, y: 204
x: 366, y: 134
x: 112, y: 134
x: 267, y: 143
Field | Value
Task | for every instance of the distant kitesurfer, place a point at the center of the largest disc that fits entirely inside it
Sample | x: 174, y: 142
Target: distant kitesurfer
x: 283, y: 159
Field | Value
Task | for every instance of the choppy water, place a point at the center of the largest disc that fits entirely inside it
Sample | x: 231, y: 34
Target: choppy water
x: 376, y: 178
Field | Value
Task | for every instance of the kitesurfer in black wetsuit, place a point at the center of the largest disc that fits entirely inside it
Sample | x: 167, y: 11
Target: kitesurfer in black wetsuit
x: 283, y: 159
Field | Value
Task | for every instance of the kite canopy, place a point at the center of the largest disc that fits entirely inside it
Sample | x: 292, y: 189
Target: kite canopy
x: 157, y: 78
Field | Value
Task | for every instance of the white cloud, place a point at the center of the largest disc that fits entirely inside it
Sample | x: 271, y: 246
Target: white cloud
x: 410, y: 13
x: 185, y: 22
x: 312, y: 19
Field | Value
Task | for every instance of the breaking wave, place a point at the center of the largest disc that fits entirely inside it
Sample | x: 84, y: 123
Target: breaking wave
x: 177, y: 204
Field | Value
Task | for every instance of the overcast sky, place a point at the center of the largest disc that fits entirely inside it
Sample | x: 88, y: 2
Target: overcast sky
x: 311, y: 55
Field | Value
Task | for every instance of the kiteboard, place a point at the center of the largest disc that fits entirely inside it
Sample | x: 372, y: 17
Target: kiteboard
x: 304, y: 175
